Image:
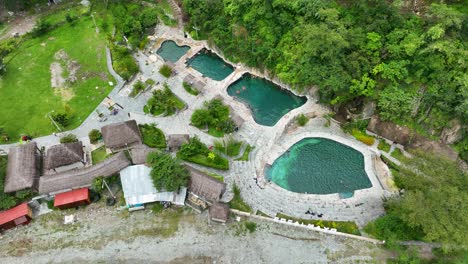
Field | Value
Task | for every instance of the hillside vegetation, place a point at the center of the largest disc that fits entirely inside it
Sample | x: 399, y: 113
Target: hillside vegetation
x: 413, y: 66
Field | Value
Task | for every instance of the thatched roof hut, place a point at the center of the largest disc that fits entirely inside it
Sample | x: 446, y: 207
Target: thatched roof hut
x: 190, y: 79
x: 174, y: 142
x: 63, y: 154
x: 204, y: 186
x: 121, y: 135
x: 237, y: 119
x: 194, y: 82
x: 219, y: 212
x: 83, y: 177
x: 22, y: 167
x: 139, y: 154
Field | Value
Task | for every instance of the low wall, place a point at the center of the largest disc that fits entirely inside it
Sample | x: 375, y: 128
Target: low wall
x: 309, y: 227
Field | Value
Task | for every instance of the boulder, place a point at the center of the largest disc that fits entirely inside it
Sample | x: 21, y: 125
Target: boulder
x: 389, y: 130
x: 453, y: 133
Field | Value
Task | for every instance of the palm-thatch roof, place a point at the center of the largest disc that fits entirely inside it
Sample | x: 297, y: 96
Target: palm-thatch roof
x: 194, y: 82
x: 83, y: 177
x: 219, y: 212
x: 121, y: 135
x: 22, y: 167
x: 190, y: 79
x: 63, y: 154
x: 175, y: 141
x: 204, y: 186
x: 139, y: 154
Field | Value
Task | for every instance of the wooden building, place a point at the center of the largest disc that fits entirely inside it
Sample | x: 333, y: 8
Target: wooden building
x: 22, y: 168
x: 122, y: 135
x: 72, y: 198
x: 219, y: 212
x: 19, y: 215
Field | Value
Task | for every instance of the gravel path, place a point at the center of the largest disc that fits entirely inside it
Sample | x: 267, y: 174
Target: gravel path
x: 105, y: 235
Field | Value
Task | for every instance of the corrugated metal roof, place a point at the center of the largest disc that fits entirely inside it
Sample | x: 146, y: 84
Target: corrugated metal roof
x: 138, y: 188
x: 14, y: 213
x: 71, y: 197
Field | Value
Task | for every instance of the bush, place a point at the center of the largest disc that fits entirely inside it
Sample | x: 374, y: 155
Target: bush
x: 397, y: 154
x: 384, y: 146
x: 364, y: 138
x: 41, y: 28
x: 63, y: 119
x: 123, y: 62
x: 69, y: 138
x: 150, y: 82
x: 391, y: 227
x: 98, y: 184
x: 302, y: 120
x: 230, y: 148
x: 190, y: 89
x: 197, y: 152
x: 137, y: 88
x: 251, y: 226
x: 157, y: 208
x: 163, y: 102
x: 237, y: 202
x: 94, y: 136
x: 167, y: 172
x: 214, y: 116
x: 153, y: 137
x: 165, y: 71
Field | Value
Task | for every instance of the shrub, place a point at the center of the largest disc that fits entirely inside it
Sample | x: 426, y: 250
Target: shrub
x: 364, y: 138
x: 230, y: 148
x: 150, y: 82
x: 214, y: 116
x: 137, y: 88
x: 163, y: 102
x: 251, y: 226
x: 167, y: 172
x: 302, y: 120
x: 152, y: 136
x: 384, y: 146
x: 94, y: 136
x: 123, y: 62
x: 165, y: 71
x: 190, y: 89
x: 397, y: 154
x: 41, y: 28
x: 237, y: 202
x: 69, y: 138
x: 98, y: 184
x: 62, y: 119
x: 157, y: 208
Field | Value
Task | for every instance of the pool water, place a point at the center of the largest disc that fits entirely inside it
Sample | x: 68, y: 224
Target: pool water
x: 267, y: 101
x: 170, y: 51
x: 320, y: 166
x: 210, y: 65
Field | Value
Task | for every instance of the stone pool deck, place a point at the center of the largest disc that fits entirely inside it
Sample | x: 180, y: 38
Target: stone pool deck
x: 268, y: 142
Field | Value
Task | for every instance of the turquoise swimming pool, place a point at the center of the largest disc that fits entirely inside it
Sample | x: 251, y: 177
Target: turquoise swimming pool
x: 170, y: 51
x: 320, y: 166
x: 267, y: 101
x: 211, y: 65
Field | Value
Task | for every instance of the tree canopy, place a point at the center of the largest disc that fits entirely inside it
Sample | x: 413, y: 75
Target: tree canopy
x: 413, y: 66
x: 167, y: 172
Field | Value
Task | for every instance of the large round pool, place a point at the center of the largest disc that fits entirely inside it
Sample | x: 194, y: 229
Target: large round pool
x: 319, y: 166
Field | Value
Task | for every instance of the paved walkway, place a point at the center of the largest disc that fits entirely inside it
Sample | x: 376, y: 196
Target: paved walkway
x: 269, y: 142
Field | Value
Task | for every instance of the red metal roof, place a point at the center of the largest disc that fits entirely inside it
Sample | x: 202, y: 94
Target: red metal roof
x: 71, y: 197
x: 14, y: 213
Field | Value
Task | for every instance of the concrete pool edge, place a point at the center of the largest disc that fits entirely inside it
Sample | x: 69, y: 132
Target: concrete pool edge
x: 277, y: 149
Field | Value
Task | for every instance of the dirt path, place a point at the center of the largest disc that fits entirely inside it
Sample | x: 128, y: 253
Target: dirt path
x: 105, y: 235
x: 21, y: 24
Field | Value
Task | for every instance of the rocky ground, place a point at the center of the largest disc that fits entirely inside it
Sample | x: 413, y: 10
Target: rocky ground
x: 105, y: 235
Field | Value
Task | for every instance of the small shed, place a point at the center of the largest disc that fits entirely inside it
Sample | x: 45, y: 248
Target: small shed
x: 65, y: 154
x: 139, y: 154
x: 138, y: 188
x: 121, y: 135
x: 219, y: 212
x: 19, y: 215
x: 194, y: 82
x: 72, y: 198
x: 22, y: 167
x: 205, y: 187
x: 174, y: 142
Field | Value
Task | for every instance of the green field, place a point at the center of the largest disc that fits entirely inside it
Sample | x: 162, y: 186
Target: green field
x: 25, y: 89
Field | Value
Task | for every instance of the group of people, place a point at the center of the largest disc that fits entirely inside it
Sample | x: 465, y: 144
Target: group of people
x: 313, y: 213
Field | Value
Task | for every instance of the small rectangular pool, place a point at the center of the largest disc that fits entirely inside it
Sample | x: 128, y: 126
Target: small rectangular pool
x: 267, y: 101
x: 170, y: 51
x: 211, y: 65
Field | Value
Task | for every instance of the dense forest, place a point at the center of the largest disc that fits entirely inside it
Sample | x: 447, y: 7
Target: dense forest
x: 411, y: 64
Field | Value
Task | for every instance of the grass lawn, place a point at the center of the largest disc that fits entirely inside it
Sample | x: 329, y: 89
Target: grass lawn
x: 384, y: 146
x: 230, y: 148
x: 237, y: 202
x: 397, y: 154
x: 345, y: 227
x: 189, y: 89
x: 25, y: 89
x: 99, y: 155
x: 205, y: 161
x: 245, y: 155
x: 152, y: 136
